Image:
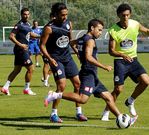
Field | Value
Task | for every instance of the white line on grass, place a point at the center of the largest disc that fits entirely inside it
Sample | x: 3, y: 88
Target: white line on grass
x: 38, y: 124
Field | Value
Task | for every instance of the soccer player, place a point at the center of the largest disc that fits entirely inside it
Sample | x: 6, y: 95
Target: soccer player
x: 34, y: 43
x: 20, y: 37
x: 90, y: 84
x: 123, y: 46
x: 56, y: 36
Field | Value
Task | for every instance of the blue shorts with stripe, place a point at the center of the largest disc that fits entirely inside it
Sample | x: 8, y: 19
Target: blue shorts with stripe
x: 90, y: 84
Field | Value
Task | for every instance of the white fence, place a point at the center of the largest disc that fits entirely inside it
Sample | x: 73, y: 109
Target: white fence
x: 6, y: 46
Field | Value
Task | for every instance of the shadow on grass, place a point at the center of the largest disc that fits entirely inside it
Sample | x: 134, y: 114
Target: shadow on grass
x: 24, y: 123
x: 27, y: 122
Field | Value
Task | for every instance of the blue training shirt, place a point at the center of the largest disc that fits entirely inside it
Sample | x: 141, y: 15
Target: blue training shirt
x: 37, y: 31
x: 22, y: 31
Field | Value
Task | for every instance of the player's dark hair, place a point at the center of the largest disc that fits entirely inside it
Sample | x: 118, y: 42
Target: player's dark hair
x: 123, y: 7
x: 94, y: 23
x: 35, y: 21
x: 57, y: 7
x: 23, y: 10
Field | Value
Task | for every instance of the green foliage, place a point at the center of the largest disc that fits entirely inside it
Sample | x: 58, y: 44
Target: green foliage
x: 80, y: 11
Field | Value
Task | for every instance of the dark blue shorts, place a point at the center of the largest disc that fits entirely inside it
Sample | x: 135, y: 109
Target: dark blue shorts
x: 90, y: 84
x: 65, y: 70
x: 34, y: 48
x: 123, y: 69
x: 45, y: 60
x: 22, y: 57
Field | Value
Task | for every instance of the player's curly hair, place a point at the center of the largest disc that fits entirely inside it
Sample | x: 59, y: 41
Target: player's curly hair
x: 57, y: 7
x: 123, y: 7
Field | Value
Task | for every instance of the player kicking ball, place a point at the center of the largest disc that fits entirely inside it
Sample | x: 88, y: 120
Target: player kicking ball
x: 86, y: 49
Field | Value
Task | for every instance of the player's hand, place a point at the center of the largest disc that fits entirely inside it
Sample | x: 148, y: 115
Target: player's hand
x: 24, y: 46
x: 53, y: 63
x: 108, y: 68
x: 127, y: 58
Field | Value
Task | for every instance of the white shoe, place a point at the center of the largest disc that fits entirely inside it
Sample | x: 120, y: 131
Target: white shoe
x: 133, y: 120
x: 29, y: 92
x: 131, y: 107
x: 105, y: 116
x: 5, y: 91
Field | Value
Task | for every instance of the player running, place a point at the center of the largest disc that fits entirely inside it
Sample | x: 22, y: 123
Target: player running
x: 56, y: 36
x: 123, y: 46
x: 90, y: 84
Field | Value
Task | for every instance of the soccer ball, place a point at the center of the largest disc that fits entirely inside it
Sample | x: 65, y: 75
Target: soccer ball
x: 123, y: 121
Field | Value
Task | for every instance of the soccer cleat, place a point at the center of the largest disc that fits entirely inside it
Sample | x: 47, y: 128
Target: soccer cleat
x: 131, y: 108
x: 81, y: 117
x: 55, y: 119
x: 29, y: 92
x: 5, y: 91
x: 105, y: 116
x: 51, y: 96
x: 133, y: 120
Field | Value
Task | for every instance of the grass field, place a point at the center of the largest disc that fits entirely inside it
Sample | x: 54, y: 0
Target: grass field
x: 25, y: 115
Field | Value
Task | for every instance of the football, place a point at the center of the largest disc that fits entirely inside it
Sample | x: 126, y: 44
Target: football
x: 123, y: 121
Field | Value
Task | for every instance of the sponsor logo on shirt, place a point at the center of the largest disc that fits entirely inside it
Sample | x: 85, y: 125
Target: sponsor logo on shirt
x: 127, y: 43
x: 63, y: 41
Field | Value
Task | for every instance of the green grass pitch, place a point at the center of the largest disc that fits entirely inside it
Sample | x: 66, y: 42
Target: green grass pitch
x: 25, y: 115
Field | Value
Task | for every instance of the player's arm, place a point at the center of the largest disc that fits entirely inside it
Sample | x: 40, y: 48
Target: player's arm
x: 143, y: 29
x: 73, y: 44
x: 115, y: 53
x: 43, y: 40
x: 12, y: 37
x: 34, y: 35
x: 70, y: 34
x: 88, y: 55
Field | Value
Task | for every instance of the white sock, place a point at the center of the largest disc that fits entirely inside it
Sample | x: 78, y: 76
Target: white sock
x: 7, y: 84
x: 27, y: 84
x: 106, y: 113
x: 78, y: 110
x: 59, y: 95
x: 56, y: 95
x: 131, y: 100
x: 54, y: 111
x: 37, y: 64
x: 45, y: 81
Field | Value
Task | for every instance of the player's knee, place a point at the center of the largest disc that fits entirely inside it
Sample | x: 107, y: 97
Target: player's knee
x: 108, y: 97
x: 61, y: 88
x: 83, y: 101
x: 144, y: 80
